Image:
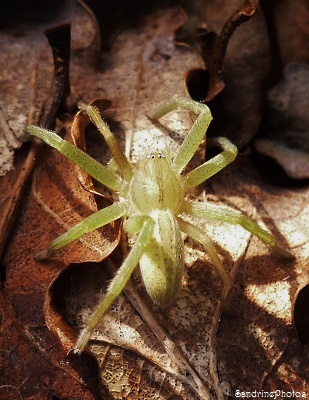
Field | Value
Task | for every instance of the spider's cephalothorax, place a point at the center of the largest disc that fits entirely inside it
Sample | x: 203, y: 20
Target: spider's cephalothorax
x: 153, y: 203
x: 155, y: 185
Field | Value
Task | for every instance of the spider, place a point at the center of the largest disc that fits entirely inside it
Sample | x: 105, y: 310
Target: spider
x: 152, y: 201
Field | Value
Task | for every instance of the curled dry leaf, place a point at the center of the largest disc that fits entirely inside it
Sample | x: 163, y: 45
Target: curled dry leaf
x: 95, y: 246
x: 77, y: 132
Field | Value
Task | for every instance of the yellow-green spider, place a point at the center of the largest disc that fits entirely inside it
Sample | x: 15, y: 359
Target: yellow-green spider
x: 152, y: 201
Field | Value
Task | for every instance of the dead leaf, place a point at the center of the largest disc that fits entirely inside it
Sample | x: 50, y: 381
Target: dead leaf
x: 31, y: 365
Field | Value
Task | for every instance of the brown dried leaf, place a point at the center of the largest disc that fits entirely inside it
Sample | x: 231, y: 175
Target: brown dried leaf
x: 59, y: 39
x: 30, y: 361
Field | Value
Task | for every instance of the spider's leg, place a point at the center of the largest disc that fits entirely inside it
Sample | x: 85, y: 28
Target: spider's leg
x: 197, y: 132
x: 214, y: 165
x: 81, y: 159
x: 89, y: 224
x: 123, y: 164
x: 118, y: 283
x: 200, y: 236
x: 219, y: 213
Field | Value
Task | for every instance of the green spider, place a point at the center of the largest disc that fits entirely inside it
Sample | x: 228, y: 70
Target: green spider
x: 152, y: 201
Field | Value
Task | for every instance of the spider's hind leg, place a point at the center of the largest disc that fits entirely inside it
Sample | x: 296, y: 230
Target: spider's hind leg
x: 201, y: 237
x: 118, y: 283
x: 215, y: 212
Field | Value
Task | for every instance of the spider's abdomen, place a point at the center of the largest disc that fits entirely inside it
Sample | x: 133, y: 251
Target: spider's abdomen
x: 155, y: 185
x: 162, y: 262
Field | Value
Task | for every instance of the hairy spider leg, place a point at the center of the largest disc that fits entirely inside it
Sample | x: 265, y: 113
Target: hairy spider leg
x: 98, y: 172
x: 89, y: 224
x: 200, y: 236
x: 214, y: 165
x: 124, y: 166
x: 118, y: 283
x: 215, y: 212
x: 196, y: 134
x: 81, y: 159
x: 193, y: 140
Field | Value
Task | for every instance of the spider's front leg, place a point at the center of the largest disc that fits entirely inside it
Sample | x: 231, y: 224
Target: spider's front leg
x: 193, y: 140
x: 118, y: 283
x: 197, y: 132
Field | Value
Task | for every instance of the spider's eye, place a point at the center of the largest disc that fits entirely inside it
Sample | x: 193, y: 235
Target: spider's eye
x: 155, y: 156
